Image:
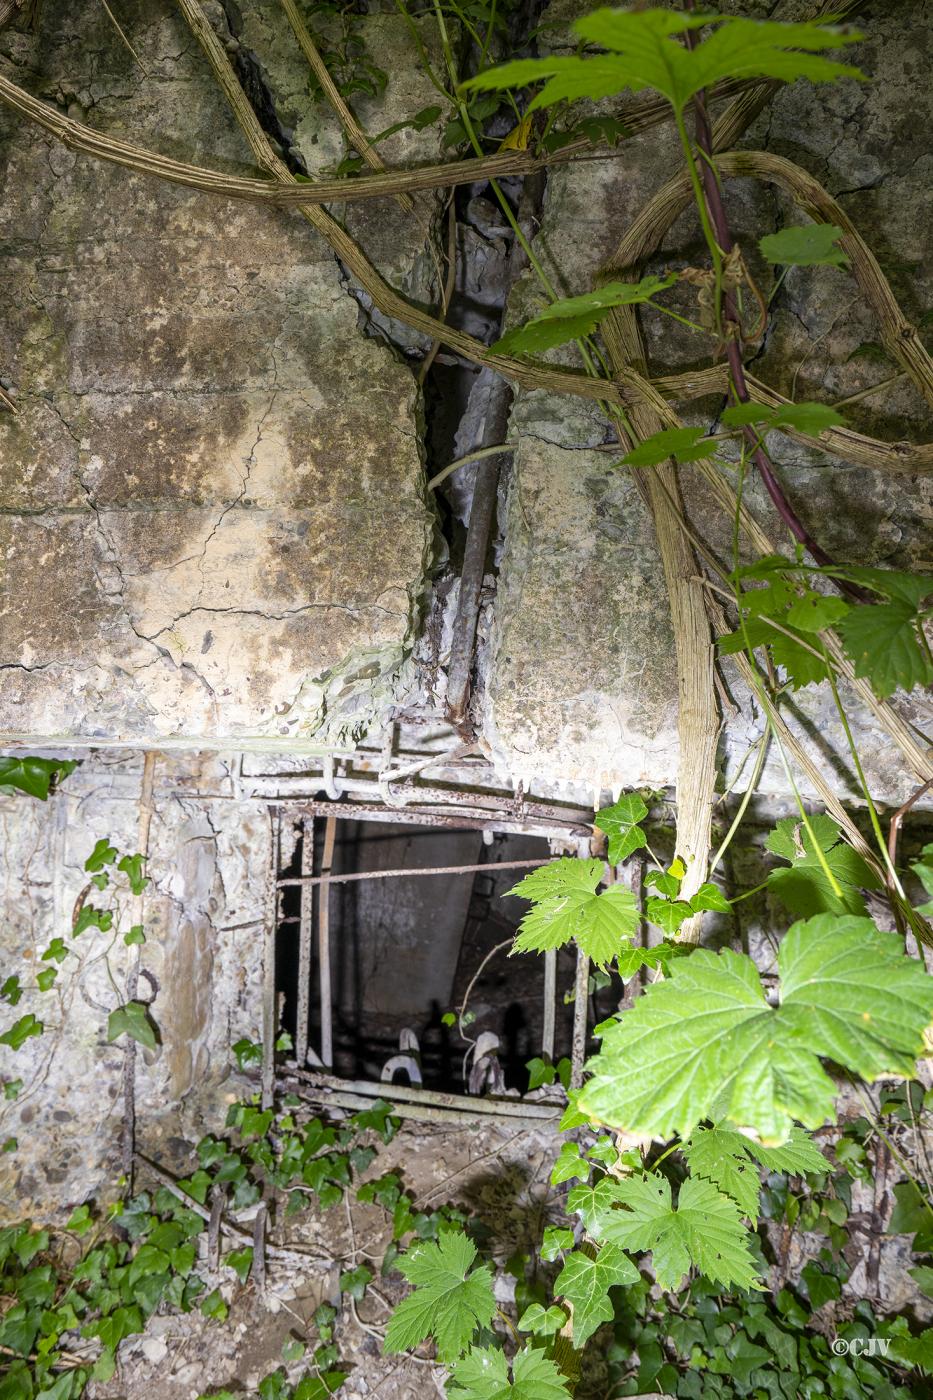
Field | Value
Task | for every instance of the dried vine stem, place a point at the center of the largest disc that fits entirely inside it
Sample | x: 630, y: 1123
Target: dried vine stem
x: 355, y: 133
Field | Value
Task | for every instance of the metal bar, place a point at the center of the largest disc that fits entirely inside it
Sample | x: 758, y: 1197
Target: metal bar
x: 425, y: 1112
x: 420, y: 816
x: 405, y: 1093
x: 304, y: 942
x: 268, y: 965
x: 323, y: 944
x: 550, y: 1003
x: 305, y: 880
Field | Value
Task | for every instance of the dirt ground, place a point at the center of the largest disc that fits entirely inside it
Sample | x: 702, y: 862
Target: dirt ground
x: 498, y: 1173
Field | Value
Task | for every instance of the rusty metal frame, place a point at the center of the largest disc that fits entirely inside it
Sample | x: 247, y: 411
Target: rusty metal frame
x: 436, y: 807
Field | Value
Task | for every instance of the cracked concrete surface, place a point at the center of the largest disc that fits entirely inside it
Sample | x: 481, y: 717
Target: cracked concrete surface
x: 211, y: 493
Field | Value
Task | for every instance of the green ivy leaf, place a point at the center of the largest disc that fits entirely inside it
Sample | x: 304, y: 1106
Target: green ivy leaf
x: 484, y: 1375
x: 667, y: 914
x: 11, y: 1089
x: 804, y: 886
x: 57, y: 949
x: 356, y: 1281
x: 89, y: 917
x: 540, y: 1321
x: 21, y: 1031
x: 570, y: 1165
x: 450, y: 1299
x: 683, y: 444
x: 34, y: 776
x: 804, y: 245
x: 102, y: 854
x: 710, y: 897
x: 703, y: 1230
x: 46, y: 978
x: 11, y: 990
x: 134, y: 936
x: 540, y: 1072
x: 213, y: 1306
x: 621, y: 824
x: 566, y: 907
x: 555, y: 1241
x: 585, y: 1283
x: 240, y: 1261
x: 132, y: 868
x: 132, y: 1020
x: 707, y: 1034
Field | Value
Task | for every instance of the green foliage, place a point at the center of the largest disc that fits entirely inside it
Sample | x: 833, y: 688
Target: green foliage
x: 22, y: 1030
x: 645, y: 51
x: 484, y: 1375
x: 133, y: 1020
x: 707, y: 1035
x: 805, y: 245
x: 585, y: 1281
x: 575, y: 317
x: 683, y: 444
x: 621, y: 823
x: 450, y: 1298
x: 810, y: 418
x: 923, y: 869
x: 730, y: 1161
x: 566, y: 906
x: 703, y: 1230
x: 35, y: 776
x: 804, y: 886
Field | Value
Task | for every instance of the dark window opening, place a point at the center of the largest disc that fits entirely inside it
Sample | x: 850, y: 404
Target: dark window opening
x: 406, y: 950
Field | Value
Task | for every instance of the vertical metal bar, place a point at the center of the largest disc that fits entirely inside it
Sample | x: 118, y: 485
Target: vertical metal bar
x: 304, y: 942
x: 550, y: 998
x: 581, y: 998
x: 268, y: 964
x: 323, y: 944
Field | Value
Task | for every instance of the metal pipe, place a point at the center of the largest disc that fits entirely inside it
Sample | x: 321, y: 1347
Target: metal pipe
x: 268, y: 965
x: 401, y: 1094
x: 487, y: 868
x: 304, y: 942
x: 323, y: 944
x: 550, y: 1003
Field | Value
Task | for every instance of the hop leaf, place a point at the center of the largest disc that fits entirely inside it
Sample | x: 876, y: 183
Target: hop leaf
x: 567, y: 906
x: 683, y: 444
x: 484, y: 1375
x: 804, y: 886
x: 646, y: 52
x: 730, y: 1161
x: 707, y: 1035
x: 575, y: 317
x: 704, y: 1230
x: 804, y: 245
x: 585, y: 1283
x: 450, y: 1300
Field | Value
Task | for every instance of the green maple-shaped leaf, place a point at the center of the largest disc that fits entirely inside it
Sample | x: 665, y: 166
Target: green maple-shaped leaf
x: 884, y: 643
x: 566, y: 906
x: 645, y: 51
x: 585, y: 1282
x: 804, y: 886
x: 730, y: 1161
x: 484, y: 1375
x: 705, y: 1230
x: 450, y: 1298
x: 621, y: 825
x: 575, y: 317
x: 706, y: 1035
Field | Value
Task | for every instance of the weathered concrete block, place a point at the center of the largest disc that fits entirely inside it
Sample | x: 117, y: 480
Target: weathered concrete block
x: 213, y: 485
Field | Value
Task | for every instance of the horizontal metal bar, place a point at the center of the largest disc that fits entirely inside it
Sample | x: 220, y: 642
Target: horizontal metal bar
x: 487, y: 869
x: 405, y: 1093
x: 502, y: 821
x: 421, y: 1112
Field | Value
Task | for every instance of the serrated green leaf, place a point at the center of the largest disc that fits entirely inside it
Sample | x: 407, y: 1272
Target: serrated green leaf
x: 704, y: 1230
x: 620, y: 822
x: 646, y: 52
x: 567, y: 907
x: 132, y: 1020
x: 683, y: 444
x: 882, y: 641
x: 537, y: 336
x: 805, y: 887
x: 707, y: 1035
x: 585, y: 1283
x: 484, y: 1375
x: 804, y: 245
x: 575, y: 317
x: 729, y: 1160
x: 450, y: 1298
x: 814, y: 611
